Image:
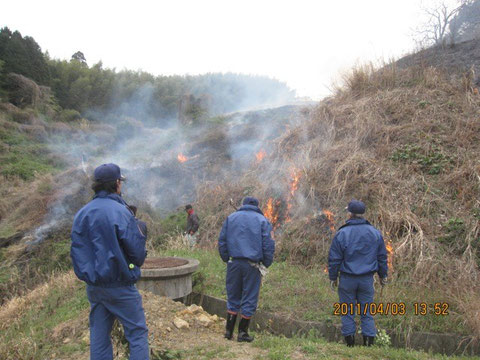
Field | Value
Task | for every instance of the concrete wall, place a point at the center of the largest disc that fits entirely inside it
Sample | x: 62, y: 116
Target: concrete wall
x: 448, y: 344
x: 174, y: 288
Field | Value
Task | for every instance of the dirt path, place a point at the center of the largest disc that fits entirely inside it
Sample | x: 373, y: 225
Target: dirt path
x: 203, y: 338
x: 188, y: 331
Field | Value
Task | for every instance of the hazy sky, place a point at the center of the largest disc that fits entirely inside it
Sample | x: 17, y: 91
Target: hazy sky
x: 304, y: 43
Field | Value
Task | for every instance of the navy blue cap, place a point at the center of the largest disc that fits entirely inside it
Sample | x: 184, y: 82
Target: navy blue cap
x: 356, y: 207
x: 249, y: 200
x: 108, y: 172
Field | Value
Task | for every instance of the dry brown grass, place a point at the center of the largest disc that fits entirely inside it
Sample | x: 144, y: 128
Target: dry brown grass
x: 23, y: 205
x: 407, y: 142
x: 23, y: 208
x: 13, y: 310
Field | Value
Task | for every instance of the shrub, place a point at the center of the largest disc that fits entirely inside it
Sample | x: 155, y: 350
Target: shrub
x: 383, y: 339
x: 171, y: 226
x: 69, y: 115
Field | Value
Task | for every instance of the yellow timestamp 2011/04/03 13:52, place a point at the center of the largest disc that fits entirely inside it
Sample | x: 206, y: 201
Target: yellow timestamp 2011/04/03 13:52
x: 391, y: 308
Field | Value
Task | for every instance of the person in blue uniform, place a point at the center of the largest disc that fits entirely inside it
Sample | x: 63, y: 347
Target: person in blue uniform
x: 107, y: 250
x: 245, y: 243
x: 357, y: 253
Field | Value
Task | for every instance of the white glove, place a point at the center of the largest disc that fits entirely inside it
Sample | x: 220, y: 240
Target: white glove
x: 333, y: 285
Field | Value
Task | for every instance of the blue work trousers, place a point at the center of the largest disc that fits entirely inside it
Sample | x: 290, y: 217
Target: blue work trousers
x: 354, y: 289
x: 243, y: 287
x: 125, y: 304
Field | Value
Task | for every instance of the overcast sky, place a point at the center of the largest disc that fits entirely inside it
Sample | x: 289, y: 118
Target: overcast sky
x: 304, y: 43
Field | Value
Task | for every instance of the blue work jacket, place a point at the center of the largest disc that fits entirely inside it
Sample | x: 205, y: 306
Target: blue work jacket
x: 106, y: 240
x: 246, y: 234
x: 357, y: 249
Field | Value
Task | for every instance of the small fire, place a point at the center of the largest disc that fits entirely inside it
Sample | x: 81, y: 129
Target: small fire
x: 181, y: 158
x: 330, y: 219
x: 287, y: 217
x: 295, y: 176
x: 259, y: 156
x: 325, y: 269
x: 270, y: 211
x: 388, y: 245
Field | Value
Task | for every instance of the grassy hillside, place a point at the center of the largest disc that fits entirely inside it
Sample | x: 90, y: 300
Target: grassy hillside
x: 33, y: 180
x: 407, y: 142
x: 293, y: 291
x: 51, y: 322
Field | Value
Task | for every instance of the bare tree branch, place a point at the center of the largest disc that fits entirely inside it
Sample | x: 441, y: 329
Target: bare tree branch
x: 436, y: 28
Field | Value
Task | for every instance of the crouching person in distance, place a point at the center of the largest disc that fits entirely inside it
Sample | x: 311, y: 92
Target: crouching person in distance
x: 245, y: 243
x: 357, y: 252
x: 108, y: 247
x: 193, y: 223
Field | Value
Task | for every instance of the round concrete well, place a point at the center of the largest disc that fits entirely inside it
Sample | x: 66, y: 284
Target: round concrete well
x: 169, y: 276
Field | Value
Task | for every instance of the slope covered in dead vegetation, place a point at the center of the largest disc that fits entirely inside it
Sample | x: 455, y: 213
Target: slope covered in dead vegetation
x: 405, y: 141
x: 461, y: 57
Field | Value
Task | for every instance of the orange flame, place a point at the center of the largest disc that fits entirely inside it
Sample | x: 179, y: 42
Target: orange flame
x: 259, y: 156
x: 181, y: 158
x: 330, y: 218
x: 295, y: 176
x: 325, y: 269
x: 271, y: 212
x: 389, y: 246
x: 287, y: 216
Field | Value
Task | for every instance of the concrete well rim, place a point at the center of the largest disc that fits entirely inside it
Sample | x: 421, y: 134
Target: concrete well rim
x: 176, y: 271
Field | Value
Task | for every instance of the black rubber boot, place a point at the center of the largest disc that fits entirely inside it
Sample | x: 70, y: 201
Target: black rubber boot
x: 231, y: 319
x: 243, y: 331
x: 350, y: 340
x: 368, y: 340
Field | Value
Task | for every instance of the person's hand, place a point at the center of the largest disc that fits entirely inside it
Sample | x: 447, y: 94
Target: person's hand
x: 133, y: 209
x: 333, y: 285
x: 383, y: 281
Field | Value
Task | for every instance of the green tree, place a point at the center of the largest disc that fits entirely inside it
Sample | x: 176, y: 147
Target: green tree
x: 79, y: 56
x: 23, y: 56
x: 2, y: 79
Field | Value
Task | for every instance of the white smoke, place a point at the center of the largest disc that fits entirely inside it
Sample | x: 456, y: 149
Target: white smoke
x: 147, y: 154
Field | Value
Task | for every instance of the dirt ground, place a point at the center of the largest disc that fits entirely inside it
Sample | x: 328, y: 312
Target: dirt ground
x: 203, y: 338
x: 175, y: 328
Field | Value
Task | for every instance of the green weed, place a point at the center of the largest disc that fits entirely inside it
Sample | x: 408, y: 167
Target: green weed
x: 432, y: 161
x: 309, y: 347
x: 304, y: 293
x: 35, y: 326
x: 165, y: 354
x: 454, y: 230
x: 23, y: 157
x: 423, y: 104
x: 171, y: 225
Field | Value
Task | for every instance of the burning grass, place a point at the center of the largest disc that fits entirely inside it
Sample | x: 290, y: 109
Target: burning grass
x: 182, y: 158
x: 407, y: 143
x: 259, y: 156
